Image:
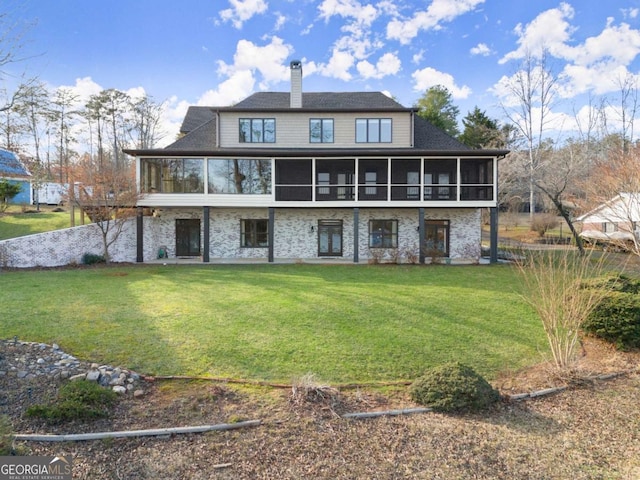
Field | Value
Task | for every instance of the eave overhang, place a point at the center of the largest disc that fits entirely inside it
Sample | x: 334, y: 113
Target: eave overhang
x: 317, y: 153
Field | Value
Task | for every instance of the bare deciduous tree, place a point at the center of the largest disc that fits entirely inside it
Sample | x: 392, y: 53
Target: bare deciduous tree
x: 532, y: 92
x: 108, y: 194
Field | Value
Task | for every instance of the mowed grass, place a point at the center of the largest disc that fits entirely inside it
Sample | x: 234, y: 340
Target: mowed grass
x: 14, y: 223
x: 343, y: 323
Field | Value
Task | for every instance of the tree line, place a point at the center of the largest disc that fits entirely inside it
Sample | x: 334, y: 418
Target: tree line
x: 54, y: 132
x: 547, y: 169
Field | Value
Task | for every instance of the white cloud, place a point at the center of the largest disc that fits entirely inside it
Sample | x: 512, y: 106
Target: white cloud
x: 280, y: 21
x: 481, y: 49
x: 620, y: 44
x: 352, y: 9
x: 438, y: 11
x: 83, y: 89
x: 242, y: 10
x: 595, y: 65
x: 429, y: 77
x: 548, y: 31
x: 172, y: 116
x: 600, y: 79
x: 388, y: 64
x: 269, y: 60
x: 339, y: 65
x: 239, y: 85
x: 417, y: 57
x: 360, y: 47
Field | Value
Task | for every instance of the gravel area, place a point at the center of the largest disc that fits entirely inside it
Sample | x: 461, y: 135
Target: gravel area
x: 589, y: 431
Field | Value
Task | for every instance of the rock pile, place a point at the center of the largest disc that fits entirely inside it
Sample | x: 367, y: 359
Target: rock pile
x: 30, y: 361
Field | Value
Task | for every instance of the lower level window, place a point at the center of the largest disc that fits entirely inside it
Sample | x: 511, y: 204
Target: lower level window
x: 254, y: 233
x: 383, y: 233
x: 436, y: 237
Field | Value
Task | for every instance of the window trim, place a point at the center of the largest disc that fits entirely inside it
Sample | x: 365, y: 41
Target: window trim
x: 322, y: 130
x: 251, y: 121
x: 393, y: 235
x: 253, y: 232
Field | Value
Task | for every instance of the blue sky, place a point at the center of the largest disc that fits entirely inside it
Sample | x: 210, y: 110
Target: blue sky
x: 217, y: 52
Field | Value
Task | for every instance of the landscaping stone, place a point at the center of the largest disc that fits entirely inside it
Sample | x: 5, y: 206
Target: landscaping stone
x: 37, y: 360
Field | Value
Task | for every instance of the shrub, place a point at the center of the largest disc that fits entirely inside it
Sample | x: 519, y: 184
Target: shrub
x: 78, y: 400
x: 453, y: 387
x: 616, y: 319
x: 554, y: 286
x: 541, y: 223
x: 92, y: 259
x: 6, y: 436
x: 615, y: 283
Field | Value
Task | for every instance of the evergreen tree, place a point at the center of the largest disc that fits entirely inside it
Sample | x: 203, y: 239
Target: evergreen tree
x: 480, y: 131
x: 436, y: 105
x: 8, y: 190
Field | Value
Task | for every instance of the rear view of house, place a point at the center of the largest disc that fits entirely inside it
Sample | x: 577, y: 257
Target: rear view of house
x: 297, y: 175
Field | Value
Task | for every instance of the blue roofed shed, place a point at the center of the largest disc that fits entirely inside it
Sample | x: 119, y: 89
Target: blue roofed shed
x: 13, y: 170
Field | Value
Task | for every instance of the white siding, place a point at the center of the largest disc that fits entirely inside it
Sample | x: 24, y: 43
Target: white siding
x: 292, y: 130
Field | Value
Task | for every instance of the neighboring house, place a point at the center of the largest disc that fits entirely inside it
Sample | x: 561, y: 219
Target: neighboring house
x: 296, y: 175
x: 12, y: 169
x: 616, y: 221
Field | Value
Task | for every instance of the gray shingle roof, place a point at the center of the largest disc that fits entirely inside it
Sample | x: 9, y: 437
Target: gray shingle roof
x: 335, y: 101
x: 202, y: 137
x: 195, y: 117
x: 11, y: 166
x: 426, y: 136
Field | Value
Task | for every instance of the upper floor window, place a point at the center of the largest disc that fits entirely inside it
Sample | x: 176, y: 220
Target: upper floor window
x: 257, y: 130
x: 373, y: 130
x: 321, y: 130
x: 239, y: 175
x: 172, y: 175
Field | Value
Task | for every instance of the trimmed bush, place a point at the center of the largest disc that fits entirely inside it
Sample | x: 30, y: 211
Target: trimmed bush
x: 453, y: 387
x: 616, y: 319
x: 77, y: 400
x: 92, y: 259
x: 615, y: 283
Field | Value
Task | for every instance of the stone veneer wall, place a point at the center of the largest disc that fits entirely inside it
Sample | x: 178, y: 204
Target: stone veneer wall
x: 294, y: 238
x: 65, y: 247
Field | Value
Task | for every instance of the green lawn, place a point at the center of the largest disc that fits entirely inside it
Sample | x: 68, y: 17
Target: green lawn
x: 278, y: 322
x: 14, y: 223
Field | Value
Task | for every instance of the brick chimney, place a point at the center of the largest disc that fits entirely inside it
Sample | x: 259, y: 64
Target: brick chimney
x: 296, y: 84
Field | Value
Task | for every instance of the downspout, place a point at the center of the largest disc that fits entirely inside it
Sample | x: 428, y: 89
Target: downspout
x: 217, y: 128
x: 412, y: 129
